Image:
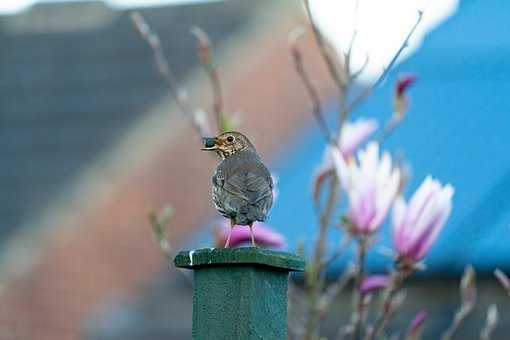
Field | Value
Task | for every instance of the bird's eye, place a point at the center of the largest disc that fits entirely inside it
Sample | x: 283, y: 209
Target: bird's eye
x: 230, y: 139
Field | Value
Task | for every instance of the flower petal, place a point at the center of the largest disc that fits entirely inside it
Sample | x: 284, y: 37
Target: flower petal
x: 374, y: 282
x: 264, y: 235
x: 355, y: 133
x: 417, y: 225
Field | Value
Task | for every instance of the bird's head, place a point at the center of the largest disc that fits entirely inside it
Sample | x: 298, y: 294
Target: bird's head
x: 227, y: 144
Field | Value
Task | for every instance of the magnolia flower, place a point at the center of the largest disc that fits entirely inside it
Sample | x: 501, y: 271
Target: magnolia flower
x: 416, y: 325
x: 374, y: 282
x: 355, y: 133
x: 264, y: 235
x: 417, y: 224
x: 401, y: 102
x: 352, y: 136
x: 371, y: 184
x: 403, y: 83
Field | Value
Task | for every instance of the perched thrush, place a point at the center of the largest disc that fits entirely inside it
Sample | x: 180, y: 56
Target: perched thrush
x: 242, y: 185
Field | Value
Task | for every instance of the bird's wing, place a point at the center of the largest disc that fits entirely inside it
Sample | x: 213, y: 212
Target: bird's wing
x: 251, y: 185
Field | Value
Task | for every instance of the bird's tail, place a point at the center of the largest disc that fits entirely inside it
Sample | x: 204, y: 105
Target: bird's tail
x: 249, y: 213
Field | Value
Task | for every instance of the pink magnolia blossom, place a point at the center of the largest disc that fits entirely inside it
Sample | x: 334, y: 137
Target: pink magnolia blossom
x: 374, y: 282
x: 403, y: 83
x: 416, y: 325
x: 353, y: 135
x: 401, y: 99
x: 417, y: 224
x: 264, y: 235
x: 371, y: 184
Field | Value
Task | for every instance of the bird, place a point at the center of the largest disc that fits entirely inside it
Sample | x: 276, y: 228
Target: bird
x: 242, y: 186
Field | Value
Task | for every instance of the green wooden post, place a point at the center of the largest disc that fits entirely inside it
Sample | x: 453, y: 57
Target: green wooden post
x: 239, y: 293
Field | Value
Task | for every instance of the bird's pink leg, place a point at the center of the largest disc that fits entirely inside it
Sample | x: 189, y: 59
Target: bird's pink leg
x: 232, y: 223
x: 253, y: 244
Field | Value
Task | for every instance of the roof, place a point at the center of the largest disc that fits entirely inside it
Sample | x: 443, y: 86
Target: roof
x: 69, y: 92
x: 457, y: 130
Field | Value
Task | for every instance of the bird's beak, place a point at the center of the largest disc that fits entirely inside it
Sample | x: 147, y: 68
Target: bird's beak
x: 209, y: 144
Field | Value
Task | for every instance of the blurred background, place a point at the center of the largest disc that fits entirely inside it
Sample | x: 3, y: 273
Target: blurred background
x: 91, y: 140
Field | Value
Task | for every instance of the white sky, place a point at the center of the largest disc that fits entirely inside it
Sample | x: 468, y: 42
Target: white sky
x: 13, y: 6
x: 381, y: 25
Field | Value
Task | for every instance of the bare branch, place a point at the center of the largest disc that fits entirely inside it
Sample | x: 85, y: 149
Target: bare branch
x: 158, y: 223
x: 490, y: 322
x: 348, y: 54
x: 394, y: 121
x: 346, y: 241
x: 390, y: 303
x: 165, y: 71
x: 468, y: 300
x: 315, y: 278
x: 356, y: 74
x: 205, y: 56
x: 357, y: 316
x: 333, y: 290
x: 310, y: 88
x: 503, y: 280
x: 386, y: 70
x: 335, y: 74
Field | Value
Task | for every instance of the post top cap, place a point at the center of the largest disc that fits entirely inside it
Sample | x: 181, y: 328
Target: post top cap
x: 205, y: 257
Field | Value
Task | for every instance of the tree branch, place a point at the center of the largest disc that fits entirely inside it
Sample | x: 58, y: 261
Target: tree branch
x: 335, y: 74
x: 310, y: 88
x: 491, y: 322
x: 165, y: 71
x: 205, y: 56
x: 357, y: 317
x: 365, y: 93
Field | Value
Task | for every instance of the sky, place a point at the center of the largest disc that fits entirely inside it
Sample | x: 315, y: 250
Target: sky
x: 381, y: 26
x: 13, y: 6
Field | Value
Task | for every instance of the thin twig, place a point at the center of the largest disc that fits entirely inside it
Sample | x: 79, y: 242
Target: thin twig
x: 386, y: 311
x: 348, y: 54
x: 333, y: 71
x: 357, y: 319
x: 318, y: 184
x: 346, y: 241
x: 355, y: 75
x: 490, y: 322
x: 468, y: 297
x: 347, y: 67
x: 152, y: 39
x: 159, y: 222
x: 315, y: 279
x: 386, y: 70
x: 503, y: 280
x: 330, y: 294
x: 394, y: 121
x: 205, y: 56
x: 333, y: 290
x: 310, y: 88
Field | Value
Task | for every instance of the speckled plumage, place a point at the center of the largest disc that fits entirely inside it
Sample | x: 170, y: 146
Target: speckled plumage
x: 243, y: 188
x: 242, y: 185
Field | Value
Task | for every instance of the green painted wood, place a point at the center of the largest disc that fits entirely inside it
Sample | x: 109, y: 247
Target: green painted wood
x: 192, y: 259
x: 239, y: 293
